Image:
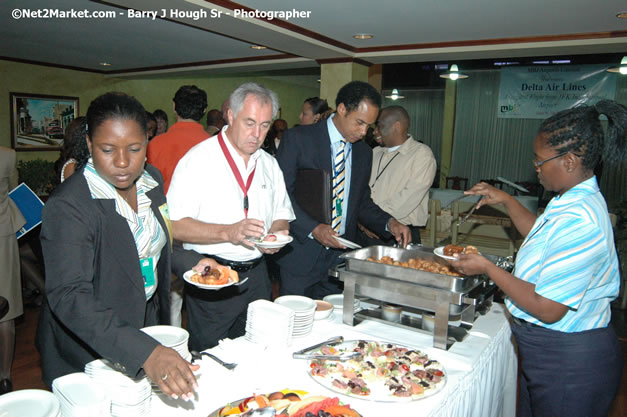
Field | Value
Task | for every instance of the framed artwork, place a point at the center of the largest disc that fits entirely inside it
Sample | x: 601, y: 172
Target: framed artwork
x: 38, y: 121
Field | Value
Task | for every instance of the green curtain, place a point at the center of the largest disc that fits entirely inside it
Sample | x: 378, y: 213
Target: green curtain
x: 485, y: 146
x: 426, y: 115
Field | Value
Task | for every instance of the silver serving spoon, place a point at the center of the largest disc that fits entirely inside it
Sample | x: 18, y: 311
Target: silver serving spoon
x: 198, y: 355
x: 341, y: 357
x: 241, y: 282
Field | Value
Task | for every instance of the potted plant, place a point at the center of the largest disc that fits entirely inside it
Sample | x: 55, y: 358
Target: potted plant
x: 38, y: 175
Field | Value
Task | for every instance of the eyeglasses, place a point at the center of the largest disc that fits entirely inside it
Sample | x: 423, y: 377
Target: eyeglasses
x: 538, y: 164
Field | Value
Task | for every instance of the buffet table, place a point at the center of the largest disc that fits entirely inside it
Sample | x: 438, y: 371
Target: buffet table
x: 481, y: 371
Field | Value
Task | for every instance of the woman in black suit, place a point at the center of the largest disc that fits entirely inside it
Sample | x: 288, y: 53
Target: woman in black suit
x: 107, y: 248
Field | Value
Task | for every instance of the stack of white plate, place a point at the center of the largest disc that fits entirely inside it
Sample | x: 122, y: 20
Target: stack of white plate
x: 31, y: 403
x: 304, y: 310
x: 172, y: 337
x: 269, y: 324
x: 338, y: 302
x: 129, y: 396
x: 80, y: 396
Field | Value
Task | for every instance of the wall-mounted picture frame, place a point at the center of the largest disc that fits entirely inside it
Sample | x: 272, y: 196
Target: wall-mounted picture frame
x: 38, y: 121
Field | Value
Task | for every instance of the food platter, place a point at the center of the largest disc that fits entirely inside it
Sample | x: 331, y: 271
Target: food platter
x: 439, y: 251
x: 387, y: 372
x: 299, y: 403
x: 187, y: 276
x: 262, y: 242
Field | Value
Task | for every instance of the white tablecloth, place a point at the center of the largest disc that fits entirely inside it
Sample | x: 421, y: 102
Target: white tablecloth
x: 481, y: 371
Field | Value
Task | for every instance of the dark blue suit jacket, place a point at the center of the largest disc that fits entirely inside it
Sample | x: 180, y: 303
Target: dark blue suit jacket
x: 309, y: 147
x: 95, y: 298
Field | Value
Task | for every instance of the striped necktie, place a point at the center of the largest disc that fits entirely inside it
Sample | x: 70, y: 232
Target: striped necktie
x: 338, y: 186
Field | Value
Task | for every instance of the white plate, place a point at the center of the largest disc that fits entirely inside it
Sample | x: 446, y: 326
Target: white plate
x: 187, y: 276
x: 281, y: 240
x: 297, y: 303
x: 78, y: 389
x: 440, y: 252
x: 30, y: 402
x: 347, y: 243
x: 168, y: 336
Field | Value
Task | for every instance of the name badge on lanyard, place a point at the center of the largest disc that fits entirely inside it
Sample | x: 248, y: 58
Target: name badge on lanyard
x: 148, y: 271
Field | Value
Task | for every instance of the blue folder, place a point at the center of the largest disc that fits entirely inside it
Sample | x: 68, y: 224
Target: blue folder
x: 29, y: 204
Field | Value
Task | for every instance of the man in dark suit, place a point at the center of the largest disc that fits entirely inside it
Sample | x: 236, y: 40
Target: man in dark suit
x: 333, y: 145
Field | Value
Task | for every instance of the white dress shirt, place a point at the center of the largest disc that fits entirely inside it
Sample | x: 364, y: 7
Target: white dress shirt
x: 204, y: 188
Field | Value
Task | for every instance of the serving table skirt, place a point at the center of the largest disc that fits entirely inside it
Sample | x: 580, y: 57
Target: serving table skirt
x: 481, y: 371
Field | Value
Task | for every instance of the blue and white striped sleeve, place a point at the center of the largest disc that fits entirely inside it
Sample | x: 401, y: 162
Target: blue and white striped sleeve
x: 573, y: 247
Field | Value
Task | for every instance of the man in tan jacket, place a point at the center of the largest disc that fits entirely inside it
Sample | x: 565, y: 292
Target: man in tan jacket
x: 11, y: 220
x: 402, y: 173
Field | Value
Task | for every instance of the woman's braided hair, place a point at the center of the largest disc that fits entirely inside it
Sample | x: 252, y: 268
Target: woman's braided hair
x: 578, y: 130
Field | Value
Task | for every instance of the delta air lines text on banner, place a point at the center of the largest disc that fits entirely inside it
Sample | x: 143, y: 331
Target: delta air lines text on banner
x: 537, y: 92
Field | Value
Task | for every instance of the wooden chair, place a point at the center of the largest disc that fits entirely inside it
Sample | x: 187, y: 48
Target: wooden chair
x: 457, y: 183
x: 486, y: 242
x: 432, y: 235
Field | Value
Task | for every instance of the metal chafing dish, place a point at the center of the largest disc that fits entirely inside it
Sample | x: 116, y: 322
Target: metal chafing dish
x: 421, y: 293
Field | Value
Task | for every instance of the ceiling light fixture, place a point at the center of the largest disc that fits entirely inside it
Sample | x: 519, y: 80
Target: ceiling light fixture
x: 622, y: 68
x: 394, y: 95
x: 258, y: 47
x: 363, y: 36
x: 622, y: 15
x: 453, y: 74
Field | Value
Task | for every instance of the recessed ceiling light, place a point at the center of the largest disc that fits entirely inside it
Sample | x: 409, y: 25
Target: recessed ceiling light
x: 622, y: 15
x: 363, y: 36
x: 105, y: 64
x: 258, y: 47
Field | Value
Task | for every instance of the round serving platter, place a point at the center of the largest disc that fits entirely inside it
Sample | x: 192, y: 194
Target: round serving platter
x: 380, y: 354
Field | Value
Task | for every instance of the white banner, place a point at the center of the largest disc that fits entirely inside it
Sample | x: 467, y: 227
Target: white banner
x: 538, y: 92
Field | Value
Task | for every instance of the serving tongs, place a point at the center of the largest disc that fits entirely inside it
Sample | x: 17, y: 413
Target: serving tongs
x: 341, y: 357
x: 450, y: 203
x: 307, y: 352
x: 472, y: 210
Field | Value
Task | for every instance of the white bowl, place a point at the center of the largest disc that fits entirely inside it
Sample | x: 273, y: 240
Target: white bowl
x: 338, y: 301
x: 323, y: 310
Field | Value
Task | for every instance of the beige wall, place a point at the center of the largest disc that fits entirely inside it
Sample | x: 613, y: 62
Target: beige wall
x: 335, y: 76
x: 153, y: 92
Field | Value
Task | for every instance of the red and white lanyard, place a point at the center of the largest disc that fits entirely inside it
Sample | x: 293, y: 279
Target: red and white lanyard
x: 236, y: 173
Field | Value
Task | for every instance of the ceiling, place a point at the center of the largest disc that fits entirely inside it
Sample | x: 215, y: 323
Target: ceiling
x: 191, y: 38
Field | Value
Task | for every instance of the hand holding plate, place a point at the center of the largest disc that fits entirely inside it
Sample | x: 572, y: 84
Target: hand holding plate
x: 324, y: 233
x: 240, y: 232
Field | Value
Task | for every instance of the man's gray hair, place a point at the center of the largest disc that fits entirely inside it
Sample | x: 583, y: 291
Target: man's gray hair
x: 263, y: 94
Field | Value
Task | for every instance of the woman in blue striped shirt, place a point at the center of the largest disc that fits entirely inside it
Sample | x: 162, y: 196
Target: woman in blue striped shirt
x: 566, y: 271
